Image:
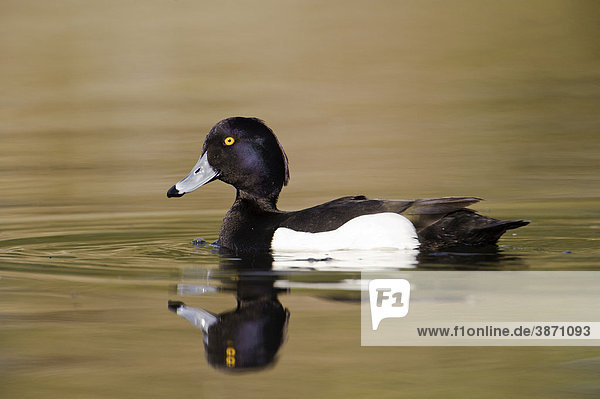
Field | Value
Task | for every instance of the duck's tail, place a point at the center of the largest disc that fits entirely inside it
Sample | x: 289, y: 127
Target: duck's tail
x: 494, y: 230
x: 465, y: 228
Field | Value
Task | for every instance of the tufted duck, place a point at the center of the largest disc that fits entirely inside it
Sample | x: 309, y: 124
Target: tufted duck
x: 245, y: 153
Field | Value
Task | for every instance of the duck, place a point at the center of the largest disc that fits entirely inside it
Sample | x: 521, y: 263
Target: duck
x: 245, y: 153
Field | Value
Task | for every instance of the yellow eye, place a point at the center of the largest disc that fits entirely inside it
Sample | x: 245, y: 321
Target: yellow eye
x: 229, y: 141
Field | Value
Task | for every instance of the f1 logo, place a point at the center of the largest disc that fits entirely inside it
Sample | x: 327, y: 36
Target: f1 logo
x: 388, y: 298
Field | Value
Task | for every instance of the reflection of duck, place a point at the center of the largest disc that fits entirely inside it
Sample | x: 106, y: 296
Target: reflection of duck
x: 247, y: 337
x: 245, y: 153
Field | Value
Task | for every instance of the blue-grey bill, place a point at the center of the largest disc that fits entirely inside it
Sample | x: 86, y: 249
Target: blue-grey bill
x: 201, y: 174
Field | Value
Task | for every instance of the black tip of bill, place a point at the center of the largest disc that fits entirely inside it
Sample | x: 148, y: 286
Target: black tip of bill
x: 174, y: 305
x: 173, y: 192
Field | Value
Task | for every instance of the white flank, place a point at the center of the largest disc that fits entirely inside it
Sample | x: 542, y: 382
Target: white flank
x: 378, y: 231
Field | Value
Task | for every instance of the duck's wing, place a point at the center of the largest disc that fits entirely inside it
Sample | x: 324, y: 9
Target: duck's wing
x: 439, y: 222
x: 426, y: 211
x: 333, y: 214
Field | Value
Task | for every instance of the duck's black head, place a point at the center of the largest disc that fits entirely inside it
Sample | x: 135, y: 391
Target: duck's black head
x: 243, y: 152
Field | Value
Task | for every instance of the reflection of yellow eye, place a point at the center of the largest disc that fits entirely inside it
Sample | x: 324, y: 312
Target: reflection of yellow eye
x: 229, y: 141
x: 230, y: 358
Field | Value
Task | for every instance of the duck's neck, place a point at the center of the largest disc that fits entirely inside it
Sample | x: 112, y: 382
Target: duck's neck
x: 241, y: 230
x: 268, y: 204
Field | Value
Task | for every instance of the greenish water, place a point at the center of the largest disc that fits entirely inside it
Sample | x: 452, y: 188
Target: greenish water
x: 105, y: 106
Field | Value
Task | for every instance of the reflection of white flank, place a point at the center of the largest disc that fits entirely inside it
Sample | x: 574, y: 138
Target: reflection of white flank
x: 351, y: 260
x: 344, y: 285
x: 378, y: 240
